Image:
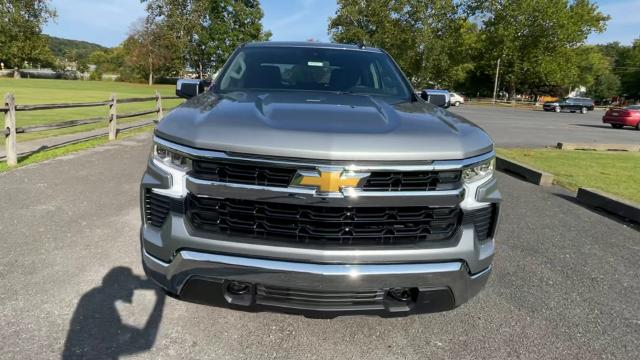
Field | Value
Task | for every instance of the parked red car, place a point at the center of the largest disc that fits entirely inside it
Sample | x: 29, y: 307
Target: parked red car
x: 619, y: 117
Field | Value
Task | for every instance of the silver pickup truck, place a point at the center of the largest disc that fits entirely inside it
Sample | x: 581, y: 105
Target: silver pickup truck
x: 310, y: 178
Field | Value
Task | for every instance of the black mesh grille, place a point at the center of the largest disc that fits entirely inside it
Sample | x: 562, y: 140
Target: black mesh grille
x: 323, y: 225
x: 156, y: 208
x: 483, y: 219
x: 242, y: 173
x: 412, y: 181
x: 270, y: 295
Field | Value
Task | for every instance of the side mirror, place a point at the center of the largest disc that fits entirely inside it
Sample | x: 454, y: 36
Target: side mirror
x: 438, y: 99
x: 188, y: 88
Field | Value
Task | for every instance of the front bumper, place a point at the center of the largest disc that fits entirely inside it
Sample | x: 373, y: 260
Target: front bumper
x: 315, y: 289
x: 620, y: 120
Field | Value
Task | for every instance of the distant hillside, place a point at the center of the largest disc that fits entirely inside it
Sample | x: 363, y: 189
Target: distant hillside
x: 61, y: 48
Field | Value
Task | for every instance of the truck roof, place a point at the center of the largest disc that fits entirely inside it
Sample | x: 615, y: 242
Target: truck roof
x: 309, y: 44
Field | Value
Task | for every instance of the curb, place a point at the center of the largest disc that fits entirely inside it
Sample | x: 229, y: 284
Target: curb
x: 598, y: 147
x: 610, y: 203
x: 530, y: 174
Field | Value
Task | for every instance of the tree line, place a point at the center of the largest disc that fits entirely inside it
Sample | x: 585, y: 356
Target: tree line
x: 453, y: 44
x: 175, y: 37
x: 178, y: 36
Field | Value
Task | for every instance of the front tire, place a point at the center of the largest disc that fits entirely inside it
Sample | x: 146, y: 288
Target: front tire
x: 557, y: 109
x: 583, y: 110
x: 456, y: 104
x: 616, y: 126
x: 638, y: 126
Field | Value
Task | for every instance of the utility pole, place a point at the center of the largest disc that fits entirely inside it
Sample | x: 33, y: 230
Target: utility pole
x: 495, y: 84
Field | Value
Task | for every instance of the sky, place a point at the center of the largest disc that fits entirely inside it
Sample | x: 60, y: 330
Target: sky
x: 107, y: 22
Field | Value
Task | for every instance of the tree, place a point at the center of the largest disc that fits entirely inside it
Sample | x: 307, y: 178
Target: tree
x: 21, y: 38
x: 590, y: 64
x: 107, y: 61
x: 604, y: 87
x: 236, y: 22
x: 431, y: 40
x: 629, y: 70
x: 207, y: 31
x: 535, y: 40
x: 148, y: 50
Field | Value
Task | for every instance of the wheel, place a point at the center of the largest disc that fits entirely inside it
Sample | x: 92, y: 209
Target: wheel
x: 457, y: 103
x: 583, y: 110
x: 617, y: 126
x: 557, y: 109
x: 638, y: 125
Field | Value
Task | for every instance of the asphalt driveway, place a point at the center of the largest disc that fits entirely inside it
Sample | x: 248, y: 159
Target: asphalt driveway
x: 536, y: 128
x: 565, y: 283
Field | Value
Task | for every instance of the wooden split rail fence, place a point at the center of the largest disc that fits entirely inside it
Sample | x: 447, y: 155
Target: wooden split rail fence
x: 10, y: 108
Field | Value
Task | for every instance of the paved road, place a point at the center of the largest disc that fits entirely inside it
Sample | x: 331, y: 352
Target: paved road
x: 565, y: 283
x: 534, y: 128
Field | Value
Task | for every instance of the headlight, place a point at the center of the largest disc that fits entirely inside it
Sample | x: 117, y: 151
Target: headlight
x: 479, y: 171
x: 171, y: 158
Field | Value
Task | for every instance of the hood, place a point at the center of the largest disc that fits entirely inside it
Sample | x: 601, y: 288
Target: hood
x: 322, y: 125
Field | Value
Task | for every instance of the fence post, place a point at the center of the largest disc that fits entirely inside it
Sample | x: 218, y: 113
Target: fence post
x: 113, y: 130
x: 10, y: 130
x: 158, y: 106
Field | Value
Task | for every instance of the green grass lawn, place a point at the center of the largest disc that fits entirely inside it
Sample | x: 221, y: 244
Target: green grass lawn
x: 617, y: 173
x: 44, y: 91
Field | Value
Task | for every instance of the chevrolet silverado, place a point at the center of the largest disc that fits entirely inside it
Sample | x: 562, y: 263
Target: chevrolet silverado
x: 310, y: 178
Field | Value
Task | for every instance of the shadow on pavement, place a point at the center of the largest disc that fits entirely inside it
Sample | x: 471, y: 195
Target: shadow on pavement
x: 97, y: 329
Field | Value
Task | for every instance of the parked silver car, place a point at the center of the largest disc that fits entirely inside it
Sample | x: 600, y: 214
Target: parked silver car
x: 456, y: 99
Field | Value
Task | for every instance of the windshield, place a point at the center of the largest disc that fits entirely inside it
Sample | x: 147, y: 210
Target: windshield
x: 313, y: 69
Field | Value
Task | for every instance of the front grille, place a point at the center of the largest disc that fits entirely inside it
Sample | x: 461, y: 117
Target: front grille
x: 340, y: 226
x: 483, y: 220
x: 412, y: 181
x: 325, y: 300
x: 242, y: 173
x: 275, y: 176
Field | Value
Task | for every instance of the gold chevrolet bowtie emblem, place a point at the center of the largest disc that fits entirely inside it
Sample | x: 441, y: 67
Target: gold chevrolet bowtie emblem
x: 328, y: 181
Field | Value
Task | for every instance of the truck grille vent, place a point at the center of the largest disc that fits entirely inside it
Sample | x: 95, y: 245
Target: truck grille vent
x: 413, y: 181
x: 325, y: 300
x: 242, y: 173
x: 483, y: 219
x: 157, y: 207
x: 338, y: 226
x: 261, y: 175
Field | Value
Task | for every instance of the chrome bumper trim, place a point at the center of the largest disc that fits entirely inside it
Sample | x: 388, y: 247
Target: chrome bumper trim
x: 186, y: 264
x: 348, y: 197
